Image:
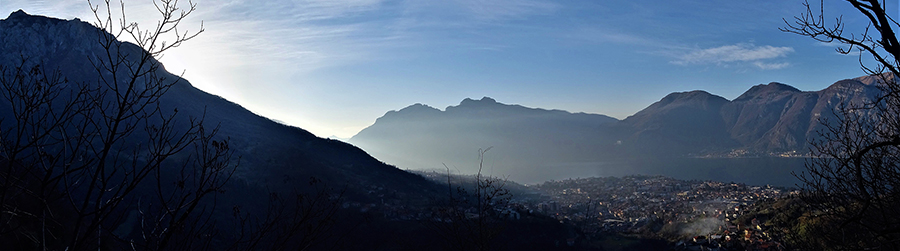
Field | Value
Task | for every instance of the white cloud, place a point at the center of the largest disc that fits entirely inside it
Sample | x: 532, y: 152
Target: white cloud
x: 737, y: 53
x: 771, y: 66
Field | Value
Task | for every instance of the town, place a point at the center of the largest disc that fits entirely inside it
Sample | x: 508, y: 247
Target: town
x: 698, y: 213
x: 687, y: 214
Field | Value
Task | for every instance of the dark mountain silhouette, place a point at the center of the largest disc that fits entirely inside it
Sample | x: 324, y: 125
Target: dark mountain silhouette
x: 767, y: 120
x: 273, y: 156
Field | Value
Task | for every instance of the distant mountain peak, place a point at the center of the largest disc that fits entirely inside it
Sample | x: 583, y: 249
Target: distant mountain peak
x: 483, y: 100
x: 482, y: 105
x: 851, y: 85
x: 874, y: 79
x: 779, y: 86
x: 859, y: 83
x: 694, y: 93
x: 18, y: 14
x: 25, y: 34
x: 422, y: 108
x: 415, y: 110
x: 21, y: 17
x: 697, y: 95
x: 763, y: 90
x: 419, y: 106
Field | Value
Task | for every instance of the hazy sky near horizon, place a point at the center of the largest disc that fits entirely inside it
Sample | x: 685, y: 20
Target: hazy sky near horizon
x: 332, y: 67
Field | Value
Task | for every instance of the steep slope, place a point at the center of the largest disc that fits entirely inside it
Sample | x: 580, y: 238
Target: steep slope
x: 778, y: 118
x: 753, y: 115
x: 273, y: 156
x: 793, y: 129
x: 750, y: 115
x: 680, y: 123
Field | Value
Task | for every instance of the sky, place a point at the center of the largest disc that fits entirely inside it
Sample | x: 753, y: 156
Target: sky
x: 333, y: 66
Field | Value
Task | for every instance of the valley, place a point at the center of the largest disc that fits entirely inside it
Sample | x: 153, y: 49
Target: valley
x: 103, y: 148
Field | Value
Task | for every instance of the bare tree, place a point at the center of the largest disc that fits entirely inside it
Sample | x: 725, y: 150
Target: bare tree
x: 80, y: 160
x: 853, y: 179
x: 103, y: 164
x: 181, y: 214
x: 39, y: 105
x: 473, y: 220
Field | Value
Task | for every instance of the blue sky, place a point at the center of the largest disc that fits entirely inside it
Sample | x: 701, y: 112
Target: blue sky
x: 332, y: 67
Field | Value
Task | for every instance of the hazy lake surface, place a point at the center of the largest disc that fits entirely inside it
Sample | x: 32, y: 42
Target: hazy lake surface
x: 751, y: 171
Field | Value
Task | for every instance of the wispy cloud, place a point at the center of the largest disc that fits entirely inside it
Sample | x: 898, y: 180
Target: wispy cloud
x: 507, y: 9
x: 771, y: 66
x: 733, y: 53
x: 300, y: 35
x: 295, y: 10
x: 837, y: 46
x: 612, y: 37
x: 737, y: 53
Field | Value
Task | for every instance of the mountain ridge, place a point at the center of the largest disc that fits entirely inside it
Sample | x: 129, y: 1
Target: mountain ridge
x: 769, y: 119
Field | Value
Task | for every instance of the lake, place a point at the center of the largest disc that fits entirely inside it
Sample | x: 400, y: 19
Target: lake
x: 752, y: 171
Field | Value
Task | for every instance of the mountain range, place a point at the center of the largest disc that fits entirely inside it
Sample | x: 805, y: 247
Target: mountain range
x: 771, y: 119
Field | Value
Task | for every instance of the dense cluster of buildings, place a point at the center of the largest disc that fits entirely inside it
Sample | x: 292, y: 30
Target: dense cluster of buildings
x: 652, y: 205
x: 744, y: 153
